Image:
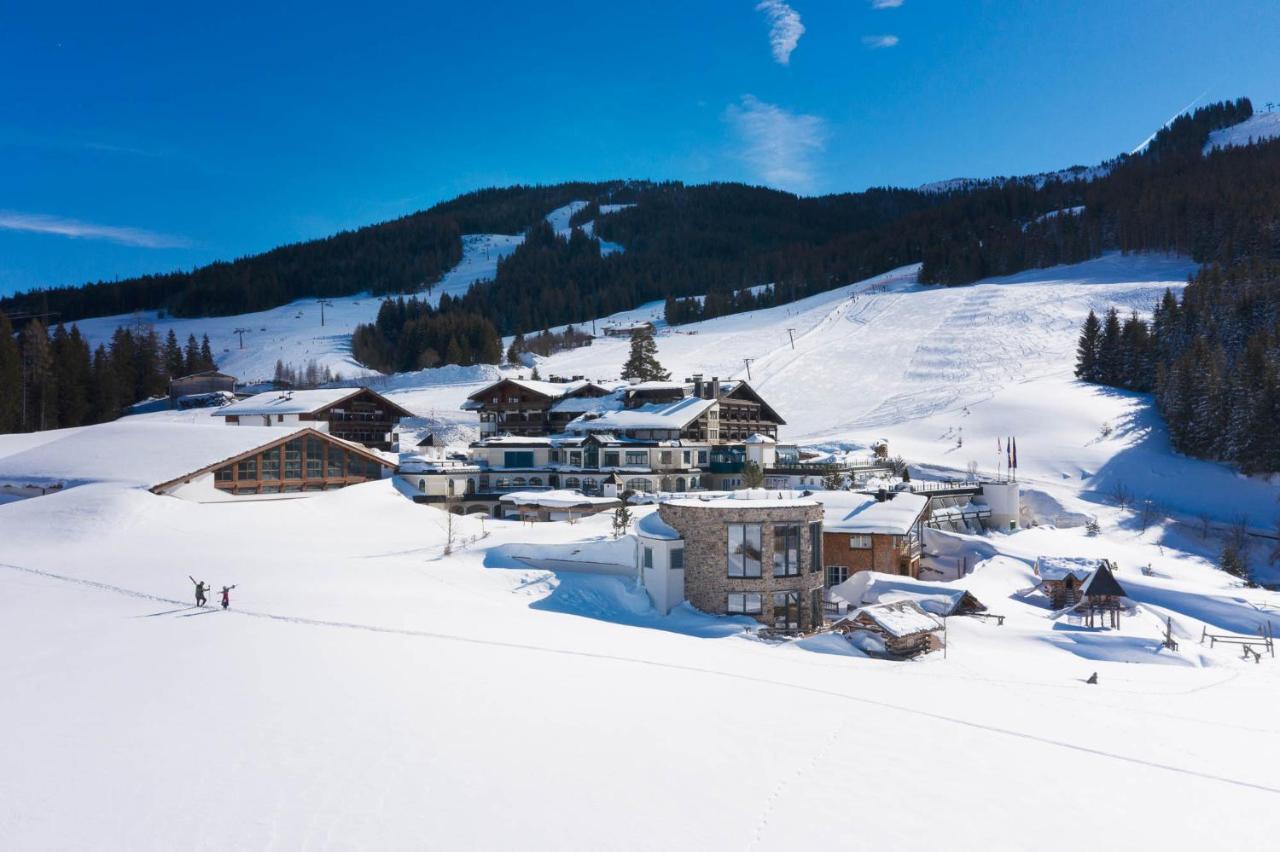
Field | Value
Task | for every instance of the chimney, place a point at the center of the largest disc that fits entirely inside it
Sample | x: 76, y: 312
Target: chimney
x: 715, y: 388
x: 697, y: 385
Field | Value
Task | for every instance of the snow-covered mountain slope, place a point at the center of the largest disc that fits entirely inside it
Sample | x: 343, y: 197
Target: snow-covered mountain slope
x: 943, y: 372
x: 559, y: 220
x: 1257, y: 128
x: 367, y: 691
x: 293, y: 333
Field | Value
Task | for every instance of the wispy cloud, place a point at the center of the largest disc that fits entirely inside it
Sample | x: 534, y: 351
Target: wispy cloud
x: 39, y: 223
x: 878, y: 41
x: 785, y: 28
x: 886, y: 4
x: 781, y: 147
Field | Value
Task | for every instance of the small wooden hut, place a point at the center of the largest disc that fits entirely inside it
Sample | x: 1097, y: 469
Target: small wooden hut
x: 905, y: 629
x: 1101, y: 597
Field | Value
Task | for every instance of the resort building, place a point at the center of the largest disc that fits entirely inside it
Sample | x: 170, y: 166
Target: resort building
x: 748, y: 554
x: 352, y: 414
x: 871, y: 532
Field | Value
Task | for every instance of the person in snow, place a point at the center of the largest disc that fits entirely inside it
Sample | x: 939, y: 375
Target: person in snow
x: 226, y: 596
x: 201, y: 588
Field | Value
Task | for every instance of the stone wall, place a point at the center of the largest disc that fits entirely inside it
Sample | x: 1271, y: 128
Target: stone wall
x: 707, y: 583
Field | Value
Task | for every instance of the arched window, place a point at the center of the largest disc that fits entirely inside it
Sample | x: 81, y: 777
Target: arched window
x: 450, y: 487
x: 517, y: 482
x: 535, y: 480
x: 572, y: 482
x: 680, y: 483
x: 638, y: 484
x: 588, y: 485
x: 422, y: 485
x: 471, y: 486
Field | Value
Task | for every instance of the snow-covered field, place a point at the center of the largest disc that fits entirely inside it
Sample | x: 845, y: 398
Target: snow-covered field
x: 368, y: 691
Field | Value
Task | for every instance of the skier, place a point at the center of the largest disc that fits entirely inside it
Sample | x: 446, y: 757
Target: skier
x: 226, y: 596
x: 201, y: 588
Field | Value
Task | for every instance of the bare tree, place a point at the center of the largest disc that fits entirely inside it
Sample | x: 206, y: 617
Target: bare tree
x: 972, y: 468
x: 1206, y: 525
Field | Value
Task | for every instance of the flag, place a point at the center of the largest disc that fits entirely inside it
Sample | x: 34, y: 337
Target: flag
x: 1008, y: 453
x: 1015, y: 452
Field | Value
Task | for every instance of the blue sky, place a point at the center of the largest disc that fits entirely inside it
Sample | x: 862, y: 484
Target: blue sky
x: 146, y: 137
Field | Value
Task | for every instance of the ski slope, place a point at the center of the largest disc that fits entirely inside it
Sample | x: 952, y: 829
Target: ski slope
x: 293, y: 333
x: 1259, y: 127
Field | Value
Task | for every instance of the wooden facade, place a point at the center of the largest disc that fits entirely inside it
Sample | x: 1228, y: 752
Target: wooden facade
x: 514, y: 408
x: 854, y: 552
x: 308, y: 460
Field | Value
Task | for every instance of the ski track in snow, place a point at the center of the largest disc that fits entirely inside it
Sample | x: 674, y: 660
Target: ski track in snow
x: 914, y: 711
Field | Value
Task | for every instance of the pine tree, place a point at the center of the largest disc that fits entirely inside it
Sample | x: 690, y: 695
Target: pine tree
x: 1087, y: 349
x: 10, y: 379
x: 206, y: 355
x: 191, y: 357
x: 104, y: 397
x: 39, y: 398
x: 642, y: 364
x: 1110, y: 353
x: 174, y: 363
x: 752, y: 475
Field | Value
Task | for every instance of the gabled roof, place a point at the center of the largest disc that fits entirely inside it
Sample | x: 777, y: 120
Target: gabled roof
x: 855, y: 513
x: 306, y: 432
x: 655, y: 415
x: 741, y: 390
x: 898, y: 619
x: 1103, y: 582
x: 1057, y: 568
x: 873, y: 587
x: 204, y: 374
x: 302, y: 402
x: 550, y: 390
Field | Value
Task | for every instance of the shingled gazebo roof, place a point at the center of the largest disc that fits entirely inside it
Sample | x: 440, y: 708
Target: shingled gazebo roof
x: 1103, y: 582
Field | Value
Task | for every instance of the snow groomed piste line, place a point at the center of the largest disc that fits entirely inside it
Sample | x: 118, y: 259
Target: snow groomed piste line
x: 898, y: 708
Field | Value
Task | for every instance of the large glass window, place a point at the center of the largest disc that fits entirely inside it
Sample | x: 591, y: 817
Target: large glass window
x: 224, y: 474
x: 611, y: 458
x: 271, y: 464
x: 335, y: 467
x: 293, y: 460
x: 744, y: 550
x: 815, y: 548
x: 315, y: 458
x: 677, y: 559
x: 247, y: 468
x: 743, y: 603
x: 786, y: 550
x: 637, y: 457
x: 523, y: 458
x: 786, y: 610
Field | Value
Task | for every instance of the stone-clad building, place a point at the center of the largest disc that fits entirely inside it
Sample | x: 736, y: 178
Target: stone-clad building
x: 752, y: 554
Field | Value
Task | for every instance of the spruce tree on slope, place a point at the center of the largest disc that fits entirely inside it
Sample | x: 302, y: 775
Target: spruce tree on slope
x: 10, y: 378
x: 1087, y: 349
x: 642, y: 364
x: 1110, y: 353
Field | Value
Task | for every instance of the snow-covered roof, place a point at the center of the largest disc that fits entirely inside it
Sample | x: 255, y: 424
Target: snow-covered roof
x: 898, y: 619
x: 757, y: 438
x: 655, y: 415
x: 288, y: 402
x: 514, y: 440
x: 747, y: 498
x: 1056, y: 568
x: 873, y: 587
x: 555, y: 499
x: 652, y: 526
x: 852, y: 512
x: 554, y: 390
x: 588, y: 404
x: 135, y: 453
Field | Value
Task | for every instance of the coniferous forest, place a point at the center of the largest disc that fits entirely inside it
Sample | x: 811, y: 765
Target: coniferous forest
x: 1213, y: 361
x: 53, y: 380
